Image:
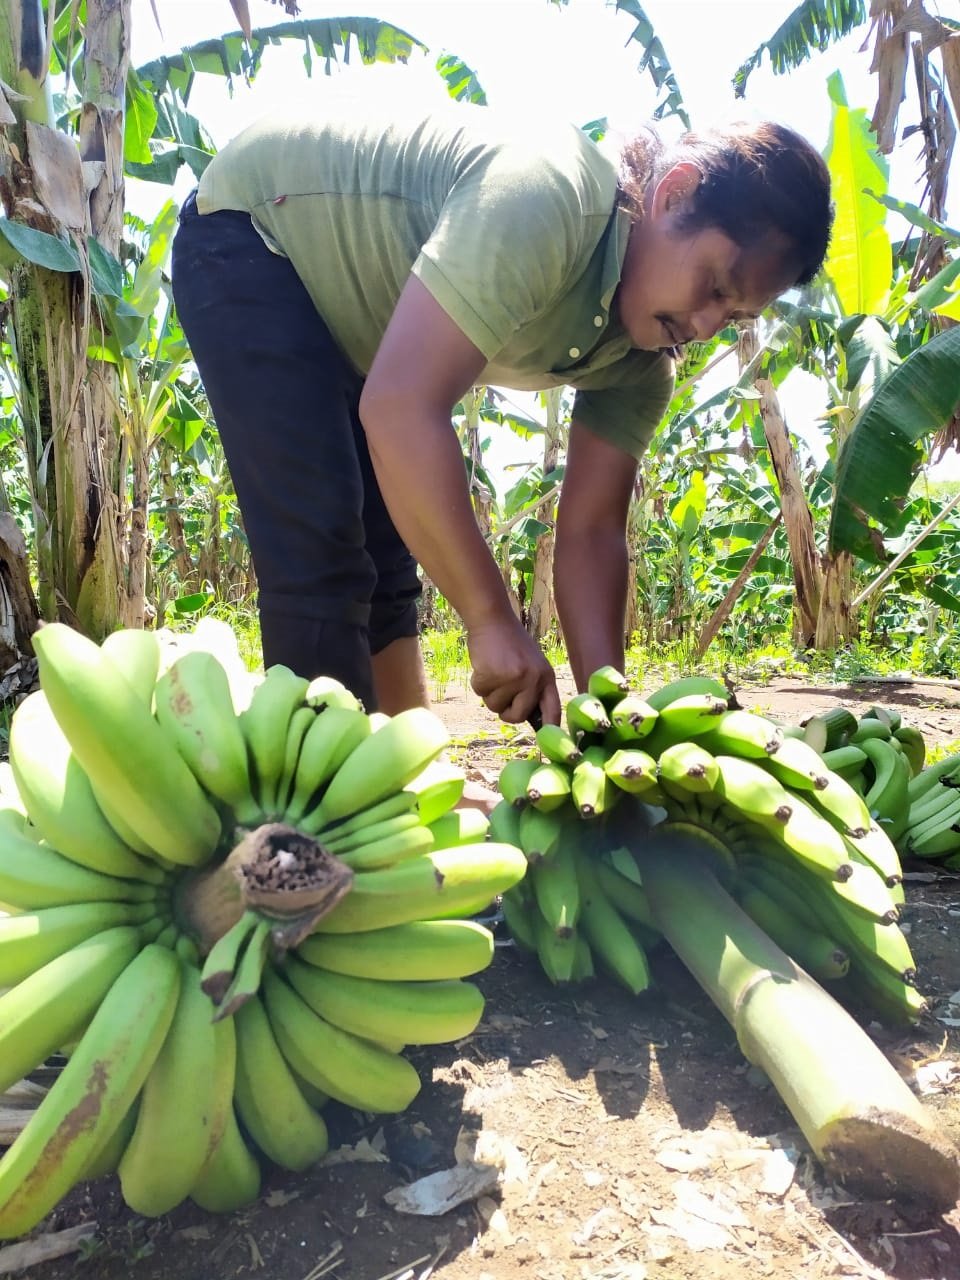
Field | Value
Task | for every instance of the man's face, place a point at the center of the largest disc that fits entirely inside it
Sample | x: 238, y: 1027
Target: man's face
x: 684, y: 286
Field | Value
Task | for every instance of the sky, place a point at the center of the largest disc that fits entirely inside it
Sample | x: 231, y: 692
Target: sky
x: 575, y: 61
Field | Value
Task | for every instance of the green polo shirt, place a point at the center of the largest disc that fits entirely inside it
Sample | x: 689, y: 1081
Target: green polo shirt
x: 513, y: 230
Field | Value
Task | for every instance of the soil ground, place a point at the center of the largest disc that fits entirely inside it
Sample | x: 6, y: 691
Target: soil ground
x: 637, y: 1141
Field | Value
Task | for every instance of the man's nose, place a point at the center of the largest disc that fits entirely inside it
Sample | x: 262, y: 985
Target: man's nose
x: 709, y: 320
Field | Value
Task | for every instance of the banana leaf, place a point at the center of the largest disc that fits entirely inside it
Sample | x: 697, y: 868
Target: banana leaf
x: 882, y: 455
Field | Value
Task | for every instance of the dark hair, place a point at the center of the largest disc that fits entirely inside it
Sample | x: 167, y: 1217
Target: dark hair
x: 755, y: 179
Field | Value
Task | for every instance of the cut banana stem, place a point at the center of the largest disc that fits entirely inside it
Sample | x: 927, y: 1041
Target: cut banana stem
x: 860, y: 1118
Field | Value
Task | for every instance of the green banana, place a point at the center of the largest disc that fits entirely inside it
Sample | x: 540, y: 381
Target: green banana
x: 557, y: 952
x: 548, y: 787
x: 459, y: 826
x: 837, y: 724
x: 875, y: 848
x: 436, y: 1011
x: 181, y: 1113
x: 868, y: 730
x: 864, y: 891
x: 688, y: 766
x: 505, y: 823
x: 332, y: 737
x: 300, y: 723
x: 609, y: 937
x: 887, y: 797
x: 592, y: 792
x: 687, y: 717
x: 760, y: 798
x: 519, y: 912
x: 583, y: 966
x: 632, y: 770
x: 539, y: 833
x: 513, y: 778
x: 231, y: 1177
x: 743, y: 733
x: 214, y: 636
x: 338, y: 842
x: 814, y: 951
x: 58, y: 796
x: 351, y: 1069
x: 946, y: 771
x: 107, y: 1157
x: 556, y: 889
x: 868, y: 942
x: 842, y: 805
x: 93, y: 1092
x: 789, y: 891
x: 913, y: 745
x: 32, y: 939
x: 194, y: 707
x: 390, y: 850
x: 123, y: 749
x: 846, y: 761
x: 607, y: 683
x: 797, y: 765
x: 888, y: 716
x: 421, y: 950
x: 556, y: 745
x: 435, y: 884
x: 631, y: 719
x: 934, y: 838
x: 265, y: 725
x: 438, y: 788
x: 626, y: 896
x: 384, y: 762
x: 400, y: 802
x: 324, y: 692
x: 136, y: 656
x: 48, y: 1008
x: 33, y: 876
x: 898, y: 1003
x: 684, y: 687
x: 271, y: 1105
x: 585, y: 713
x: 937, y: 802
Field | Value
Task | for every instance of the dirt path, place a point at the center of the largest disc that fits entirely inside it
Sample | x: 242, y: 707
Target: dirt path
x: 637, y: 1142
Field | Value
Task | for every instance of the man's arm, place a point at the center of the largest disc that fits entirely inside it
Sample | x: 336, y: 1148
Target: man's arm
x: 423, y: 366
x: 590, y: 558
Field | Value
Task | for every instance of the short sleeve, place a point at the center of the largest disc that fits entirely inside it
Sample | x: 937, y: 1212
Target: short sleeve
x: 625, y: 403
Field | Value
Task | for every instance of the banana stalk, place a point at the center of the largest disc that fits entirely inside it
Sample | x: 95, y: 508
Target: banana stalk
x: 862, y: 1121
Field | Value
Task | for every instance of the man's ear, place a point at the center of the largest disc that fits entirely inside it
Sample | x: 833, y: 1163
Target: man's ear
x: 676, y: 187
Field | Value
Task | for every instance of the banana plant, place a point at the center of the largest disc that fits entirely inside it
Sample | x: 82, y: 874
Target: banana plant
x: 62, y: 229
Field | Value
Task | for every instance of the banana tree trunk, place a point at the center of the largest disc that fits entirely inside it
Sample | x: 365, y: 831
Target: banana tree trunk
x: 835, y: 621
x: 807, y: 575
x: 66, y: 404
x: 543, y: 609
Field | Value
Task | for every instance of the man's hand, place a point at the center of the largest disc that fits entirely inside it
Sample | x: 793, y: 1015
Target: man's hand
x: 511, y: 674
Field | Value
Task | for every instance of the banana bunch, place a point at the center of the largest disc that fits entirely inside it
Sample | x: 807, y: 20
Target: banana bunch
x: 932, y: 820
x: 793, y: 840
x: 876, y: 753
x: 227, y: 900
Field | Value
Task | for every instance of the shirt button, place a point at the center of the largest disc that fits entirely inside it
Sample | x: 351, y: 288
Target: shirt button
x: 598, y: 321
x: 574, y: 352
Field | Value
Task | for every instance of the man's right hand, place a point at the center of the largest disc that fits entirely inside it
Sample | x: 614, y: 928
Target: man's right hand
x: 511, y: 674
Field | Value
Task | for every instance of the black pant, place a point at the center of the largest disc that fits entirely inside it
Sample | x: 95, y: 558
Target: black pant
x: 336, y: 582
